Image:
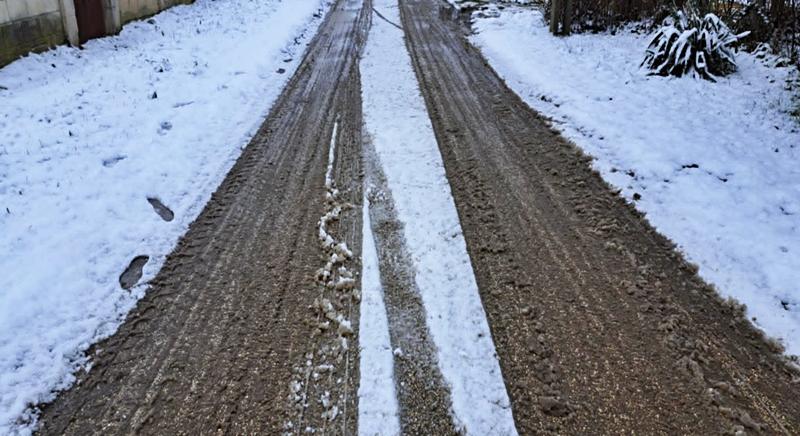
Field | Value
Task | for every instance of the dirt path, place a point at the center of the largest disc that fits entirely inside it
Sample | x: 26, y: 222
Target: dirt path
x: 251, y: 326
x: 221, y: 341
x: 600, y: 326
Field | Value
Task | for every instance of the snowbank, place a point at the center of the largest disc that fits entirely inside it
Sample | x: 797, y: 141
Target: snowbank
x: 715, y: 164
x: 86, y: 136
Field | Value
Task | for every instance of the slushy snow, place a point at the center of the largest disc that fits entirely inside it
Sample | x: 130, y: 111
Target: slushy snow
x: 715, y: 164
x: 86, y: 136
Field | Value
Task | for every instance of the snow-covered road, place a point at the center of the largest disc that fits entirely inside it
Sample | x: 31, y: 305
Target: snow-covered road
x: 87, y: 136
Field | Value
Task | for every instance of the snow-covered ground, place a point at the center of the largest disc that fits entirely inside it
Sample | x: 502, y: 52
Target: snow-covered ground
x: 472, y: 4
x: 397, y: 121
x: 86, y: 136
x: 715, y: 164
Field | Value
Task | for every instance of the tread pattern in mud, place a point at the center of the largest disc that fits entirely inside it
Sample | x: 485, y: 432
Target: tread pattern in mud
x: 600, y: 326
x: 212, y: 346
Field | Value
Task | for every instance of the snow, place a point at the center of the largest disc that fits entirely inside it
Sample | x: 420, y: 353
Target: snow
x: 715, y: 163
x: 398, y: 123
x: 161, y: 110
x: 483, y: 4
x: 331, y: 155
x: 377, y: 401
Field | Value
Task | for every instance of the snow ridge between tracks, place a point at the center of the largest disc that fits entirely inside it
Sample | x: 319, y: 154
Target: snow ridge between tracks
x: 397, y: 120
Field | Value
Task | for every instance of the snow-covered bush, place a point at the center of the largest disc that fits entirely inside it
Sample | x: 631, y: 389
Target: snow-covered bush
x: 689, y: 44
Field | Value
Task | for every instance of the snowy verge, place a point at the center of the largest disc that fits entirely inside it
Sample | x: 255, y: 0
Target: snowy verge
x: 86, y: 136
x: 377, y: 401
x: 713, y: 165
x: 397, y: 120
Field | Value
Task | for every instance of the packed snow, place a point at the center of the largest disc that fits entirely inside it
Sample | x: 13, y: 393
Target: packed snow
x: 398, y: 123
x: 713, y: 165
x: 377, y: 401
x: 86, y: 136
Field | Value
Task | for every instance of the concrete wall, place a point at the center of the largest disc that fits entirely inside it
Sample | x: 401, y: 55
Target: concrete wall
x: 134, y: 9
x: 36, y: 25
x: 29, y: 25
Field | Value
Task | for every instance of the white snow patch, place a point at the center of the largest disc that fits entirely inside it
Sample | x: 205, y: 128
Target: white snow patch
x: 483, y: 5
x: 715, y: 163
x: 396, y: 118
x: 331, y: 157
x: 161, y: 110
x: 377, y: 400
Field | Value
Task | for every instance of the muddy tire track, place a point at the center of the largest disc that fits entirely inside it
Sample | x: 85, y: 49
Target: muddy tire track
x: 600, y: 325
x: 212, y: 346
x: 323, y: 389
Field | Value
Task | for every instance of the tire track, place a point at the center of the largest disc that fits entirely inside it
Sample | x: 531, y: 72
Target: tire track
x: 621, y: 333
x: 211, y: 347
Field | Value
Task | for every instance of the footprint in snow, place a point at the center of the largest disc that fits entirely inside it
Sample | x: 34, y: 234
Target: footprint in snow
x: 113, y: 160
x: 165, y: 127
x: 162, y: 210
x: 133, y: 273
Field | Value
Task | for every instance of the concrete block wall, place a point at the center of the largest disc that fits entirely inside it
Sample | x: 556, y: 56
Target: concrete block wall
x: 29, y: 25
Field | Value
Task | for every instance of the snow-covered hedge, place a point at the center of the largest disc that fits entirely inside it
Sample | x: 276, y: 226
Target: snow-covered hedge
x: 689, y: 44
